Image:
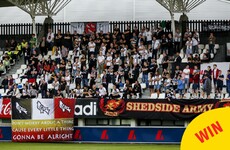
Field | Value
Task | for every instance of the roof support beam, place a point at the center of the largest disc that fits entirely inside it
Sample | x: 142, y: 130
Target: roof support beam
x: 179, y: 6
x: 40, y: 8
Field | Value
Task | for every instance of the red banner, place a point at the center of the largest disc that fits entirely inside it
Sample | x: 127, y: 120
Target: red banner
x: 63, y: 109
x: 90, y: 27
x: 5, y: 108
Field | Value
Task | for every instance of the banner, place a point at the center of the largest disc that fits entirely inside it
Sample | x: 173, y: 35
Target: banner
x: 128, y: 135
x: 89, y: 27
x: 161, y: 109
x: 118, y: 134
x: 5, y: 108
x: 86, y: 108
x: 103, y: 26
x: 216, y: 26
x: 79, y: 27
x: 42, y: 120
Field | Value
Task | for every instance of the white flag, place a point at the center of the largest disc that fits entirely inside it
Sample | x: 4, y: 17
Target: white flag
x: 42, y: 109
x: 79, y: 27
x: 103, y: 26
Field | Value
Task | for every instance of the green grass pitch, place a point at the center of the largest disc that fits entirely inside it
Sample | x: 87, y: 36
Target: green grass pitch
x: 75, y: 146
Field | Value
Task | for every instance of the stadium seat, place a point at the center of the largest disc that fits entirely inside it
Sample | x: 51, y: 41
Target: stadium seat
x: 46, y: 57
x: 195, y: 54
x: 39, y: 96
x: 50, y: 86
x: 187, y: 96
x: 110, y: 87
x: 161, y: 56
x: 143, y: 85
x: 19, y: 72
x: 226, y: 95
x: 212, y: 55
x: 224, y: 90
x: 177, y: 95
x: 38, y: 80
x: 159, y: 61
x: 24, y: 81
x: 212, y: 96
x: 23, y: 67
x: 71, y: 53
x: 2, y: 91
x: 204, y: 50
x: 201, y: 56
x: 49, y: 53
x: 217, y: 46
x: 185, y: 60
x: 215, y: 51
x: 182, y: 55
x: 20, y: 86
x: 15, y: 76
x: 32, y: 80
x: 154, y: 96
x: 72, y: 86
x: 4, y: 72
x: 39, y: 57
x: 18, y: 81
x: 140, y: 75
x: 201, y: 46
x: 161, y: 96
x: 53, y: 57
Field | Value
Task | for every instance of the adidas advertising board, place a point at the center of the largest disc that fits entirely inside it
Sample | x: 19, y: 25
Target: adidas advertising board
x: 86, y: 108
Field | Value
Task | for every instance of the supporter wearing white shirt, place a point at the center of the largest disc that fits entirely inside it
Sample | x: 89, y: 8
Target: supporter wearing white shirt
x: 103, y: 49
x: 50, y: 39
x: 155, y: 47
x: 102, y: 91
x: 115, y: 92
x: 167, y: 82
x: 148, y: 37
x: 55, y: 85
x: 135, y: 58
x: 100, y: 61
x: 109, y: 60
x: 194, y: 44
x: 91, y: 47
x: 123, y: 52
x: 186, y: 73
x: 141, y: 48
x: 188, y: 47
x: 67, y: 79
x: 177, y: 40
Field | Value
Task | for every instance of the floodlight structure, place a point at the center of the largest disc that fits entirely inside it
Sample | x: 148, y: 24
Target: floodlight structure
x: 179, y: 6
x: 40, y: 8
x: 226, y: 1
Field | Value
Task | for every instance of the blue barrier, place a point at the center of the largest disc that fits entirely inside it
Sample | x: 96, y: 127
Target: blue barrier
x: 118, y: 134
x: 5, y: 134
x: 128, y: 135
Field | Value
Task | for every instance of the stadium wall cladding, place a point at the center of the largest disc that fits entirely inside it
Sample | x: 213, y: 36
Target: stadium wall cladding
x: 113, y: 135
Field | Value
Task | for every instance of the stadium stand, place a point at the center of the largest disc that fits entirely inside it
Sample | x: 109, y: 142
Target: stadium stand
x: 130, y: 64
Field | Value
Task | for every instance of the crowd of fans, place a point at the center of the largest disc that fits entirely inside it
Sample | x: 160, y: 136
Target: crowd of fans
x: 115, y: 65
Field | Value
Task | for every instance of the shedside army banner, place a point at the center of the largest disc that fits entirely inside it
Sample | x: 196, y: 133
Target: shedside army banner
x: 161, y: 109
x: 42, y: 120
